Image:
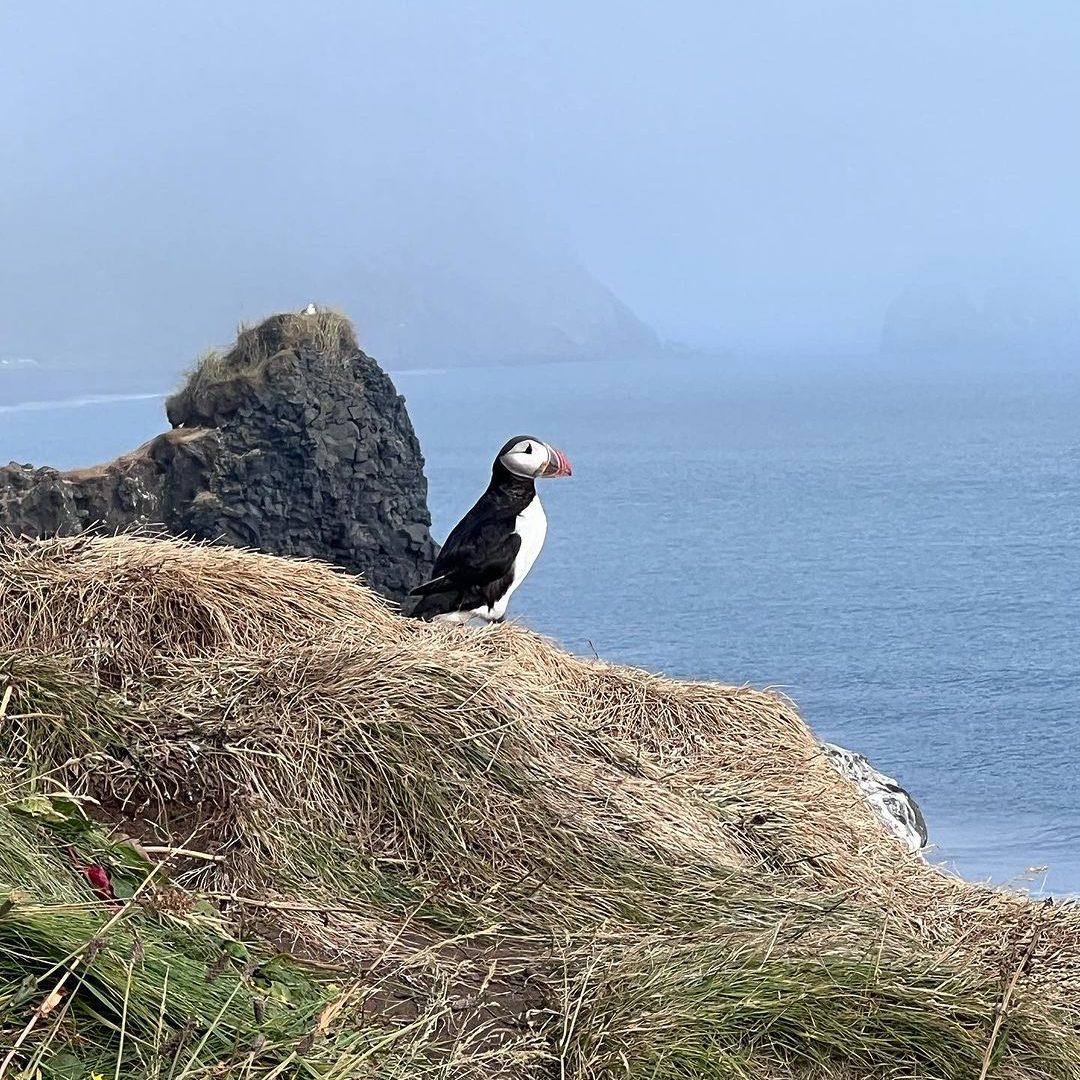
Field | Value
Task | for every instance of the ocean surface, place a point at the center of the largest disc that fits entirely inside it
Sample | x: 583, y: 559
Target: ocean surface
x: 898, y: 550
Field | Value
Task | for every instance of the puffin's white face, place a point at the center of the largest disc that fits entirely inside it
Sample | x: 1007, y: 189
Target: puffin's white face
x: 531, y: 459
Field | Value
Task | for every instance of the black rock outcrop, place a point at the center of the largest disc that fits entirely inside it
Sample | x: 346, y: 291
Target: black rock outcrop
x: 293, y: 443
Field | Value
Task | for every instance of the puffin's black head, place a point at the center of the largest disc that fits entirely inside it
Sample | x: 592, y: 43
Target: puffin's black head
x: 529, y: 458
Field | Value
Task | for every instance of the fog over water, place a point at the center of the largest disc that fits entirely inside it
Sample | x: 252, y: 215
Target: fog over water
x: 755, y: 176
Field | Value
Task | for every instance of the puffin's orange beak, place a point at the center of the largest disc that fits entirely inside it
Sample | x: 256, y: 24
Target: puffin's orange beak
x: 558, y: 464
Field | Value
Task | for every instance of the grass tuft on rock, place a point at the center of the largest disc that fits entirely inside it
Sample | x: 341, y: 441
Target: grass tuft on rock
x: 345, y: 844
x: 327, y: 333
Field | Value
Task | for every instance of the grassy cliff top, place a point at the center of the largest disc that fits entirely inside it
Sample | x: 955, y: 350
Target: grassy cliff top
x: 347, y: 844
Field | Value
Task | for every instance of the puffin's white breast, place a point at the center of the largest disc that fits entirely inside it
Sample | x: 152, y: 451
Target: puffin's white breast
x: 531, y: 526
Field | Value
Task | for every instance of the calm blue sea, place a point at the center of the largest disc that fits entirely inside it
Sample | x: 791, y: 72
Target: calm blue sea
x: 898, y: 550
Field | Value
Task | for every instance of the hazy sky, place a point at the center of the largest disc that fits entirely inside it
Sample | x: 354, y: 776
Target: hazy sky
x: 756, y: 173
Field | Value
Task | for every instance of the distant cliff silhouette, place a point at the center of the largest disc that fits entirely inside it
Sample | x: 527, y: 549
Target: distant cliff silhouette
x: 479, y: 301
x: 512, y: 307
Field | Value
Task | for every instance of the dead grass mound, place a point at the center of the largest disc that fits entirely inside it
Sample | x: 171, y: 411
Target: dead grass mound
x: 515, y: 860
x: 126, y: 605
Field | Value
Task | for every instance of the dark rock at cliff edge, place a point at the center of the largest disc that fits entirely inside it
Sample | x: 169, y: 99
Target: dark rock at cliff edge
x: 295, y: 443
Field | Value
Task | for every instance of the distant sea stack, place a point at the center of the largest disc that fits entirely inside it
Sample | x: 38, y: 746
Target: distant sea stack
x: 930, y: 318
x: 1033, y: 315
x: 293, y: 443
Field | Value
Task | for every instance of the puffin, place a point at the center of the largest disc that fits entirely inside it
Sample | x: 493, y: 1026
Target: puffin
x: 490, y: 551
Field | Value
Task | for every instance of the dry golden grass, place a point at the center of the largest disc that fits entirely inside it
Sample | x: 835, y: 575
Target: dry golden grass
x: 328, y: 332
x: 482, y: 815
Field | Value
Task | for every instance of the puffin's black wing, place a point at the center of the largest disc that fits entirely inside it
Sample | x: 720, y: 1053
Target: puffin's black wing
x: 474, y: 568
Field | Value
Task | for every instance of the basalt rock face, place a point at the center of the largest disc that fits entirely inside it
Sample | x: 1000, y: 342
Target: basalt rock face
x: 294, y: 443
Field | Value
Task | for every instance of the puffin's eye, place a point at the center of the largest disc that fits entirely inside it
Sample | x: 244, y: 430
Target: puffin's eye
x: 528, y: 449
